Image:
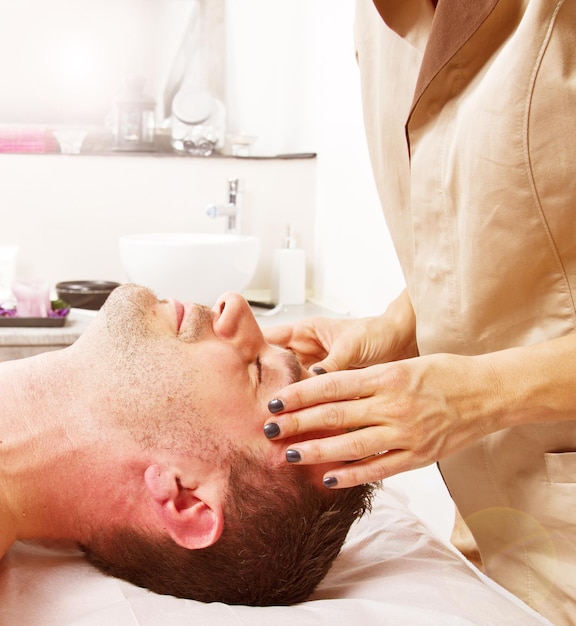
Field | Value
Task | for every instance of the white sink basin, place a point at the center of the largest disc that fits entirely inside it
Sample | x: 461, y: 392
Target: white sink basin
x: 196, y: 267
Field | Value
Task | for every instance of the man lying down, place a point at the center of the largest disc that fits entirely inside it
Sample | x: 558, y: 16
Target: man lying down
x: 142, y: 443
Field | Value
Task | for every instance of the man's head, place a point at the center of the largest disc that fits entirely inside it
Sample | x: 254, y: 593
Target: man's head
x: 280, y: 537
x: 220, y: 516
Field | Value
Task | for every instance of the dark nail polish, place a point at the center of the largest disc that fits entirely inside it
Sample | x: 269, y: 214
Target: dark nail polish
x: 271, y: 430
x: 275, y: 406
x: 293, y: 456
x: 330, y: 481
x: 319, y: 370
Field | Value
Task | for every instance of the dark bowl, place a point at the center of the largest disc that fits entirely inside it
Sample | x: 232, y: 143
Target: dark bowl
x: 85, y: 294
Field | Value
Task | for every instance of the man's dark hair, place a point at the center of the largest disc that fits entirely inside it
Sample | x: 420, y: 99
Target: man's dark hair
x: 281, y: 535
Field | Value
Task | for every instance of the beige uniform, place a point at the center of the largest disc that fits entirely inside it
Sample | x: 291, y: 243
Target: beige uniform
x: 470, y: 116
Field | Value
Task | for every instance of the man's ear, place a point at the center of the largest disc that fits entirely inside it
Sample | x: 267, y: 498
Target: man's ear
x: 192, y: 515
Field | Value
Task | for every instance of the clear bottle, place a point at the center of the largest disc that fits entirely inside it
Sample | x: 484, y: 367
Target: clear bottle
x: 133, y: 118
x: 198, y: 123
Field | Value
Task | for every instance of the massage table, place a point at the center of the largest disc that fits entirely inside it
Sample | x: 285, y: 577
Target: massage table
x: 397, y: 567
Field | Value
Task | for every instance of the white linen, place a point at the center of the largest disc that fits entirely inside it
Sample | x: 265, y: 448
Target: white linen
x: 392, y: 570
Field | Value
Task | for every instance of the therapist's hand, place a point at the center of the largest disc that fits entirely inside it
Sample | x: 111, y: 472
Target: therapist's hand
x: 338, y: 344
x: 407, y: 414
x: 328, y: 345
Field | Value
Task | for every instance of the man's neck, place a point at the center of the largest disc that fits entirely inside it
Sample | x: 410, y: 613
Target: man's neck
x: 37, y: 449
x: 54, y: 457
x: 66, y: 467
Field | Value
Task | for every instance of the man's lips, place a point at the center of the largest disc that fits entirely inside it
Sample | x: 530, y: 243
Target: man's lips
x: 179, y: 309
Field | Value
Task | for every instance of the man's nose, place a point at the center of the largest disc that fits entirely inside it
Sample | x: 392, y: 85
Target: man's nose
x: 235, y: 322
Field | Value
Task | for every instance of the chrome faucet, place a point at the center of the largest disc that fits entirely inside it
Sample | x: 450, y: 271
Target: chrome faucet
x: 231, y: 209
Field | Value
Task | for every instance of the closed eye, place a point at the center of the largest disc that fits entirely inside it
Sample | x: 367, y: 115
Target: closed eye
x: 290, y: 366
x: 259, y: 369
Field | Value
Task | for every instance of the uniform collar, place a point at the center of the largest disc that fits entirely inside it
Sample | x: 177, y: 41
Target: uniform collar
x: 454, y: 23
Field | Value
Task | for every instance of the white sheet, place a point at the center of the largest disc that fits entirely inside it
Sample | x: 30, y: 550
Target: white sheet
x: 392, y: 570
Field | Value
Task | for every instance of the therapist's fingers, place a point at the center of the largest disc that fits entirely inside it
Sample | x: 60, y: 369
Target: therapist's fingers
x: 331, y: 420
x: 351, y: 446
x: 373, y: 469
x: 367, y: 462
x: 278, y: 335
x: 330, y: 387
x: 327, y: 395
x: 300, y: 339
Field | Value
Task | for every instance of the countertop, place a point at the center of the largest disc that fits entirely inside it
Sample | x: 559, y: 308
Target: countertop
x: 17, y: 342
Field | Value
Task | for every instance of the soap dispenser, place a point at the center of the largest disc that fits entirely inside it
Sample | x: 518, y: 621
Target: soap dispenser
x: 289, y: 272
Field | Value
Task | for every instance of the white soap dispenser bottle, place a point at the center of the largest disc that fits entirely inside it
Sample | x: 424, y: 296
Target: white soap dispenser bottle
x: 289, y: 272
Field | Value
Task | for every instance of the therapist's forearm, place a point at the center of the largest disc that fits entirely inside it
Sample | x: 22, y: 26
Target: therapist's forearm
x: 400, y: 316
x: 534, y: 383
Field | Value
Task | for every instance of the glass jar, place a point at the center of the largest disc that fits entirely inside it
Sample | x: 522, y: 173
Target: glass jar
x: 197, y: 123
x: 133, y: 118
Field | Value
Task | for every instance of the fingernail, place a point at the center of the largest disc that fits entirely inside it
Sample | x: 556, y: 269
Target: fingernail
x: 271, y: 430
x: 330, y: 481
x: 293, y: 456
x: 275, y: 406
x: 319, y: 370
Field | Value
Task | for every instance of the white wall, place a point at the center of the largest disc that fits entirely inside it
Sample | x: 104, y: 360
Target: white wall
x: 356, y: 264
x: 67, y: 212
x: 292, y: 80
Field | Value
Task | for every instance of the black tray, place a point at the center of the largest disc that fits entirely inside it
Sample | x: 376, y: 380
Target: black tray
x: 29, y: 322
